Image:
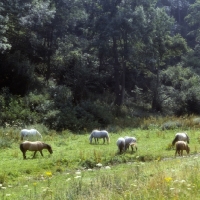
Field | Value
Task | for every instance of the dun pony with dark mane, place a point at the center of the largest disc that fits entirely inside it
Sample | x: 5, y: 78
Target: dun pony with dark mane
x: 34, y: 146
x: 181, y: 137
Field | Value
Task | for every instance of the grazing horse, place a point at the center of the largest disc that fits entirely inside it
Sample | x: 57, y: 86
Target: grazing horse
x: 34, y: 146
x: 181, y: 137
x: 180, y: 146
x: 121, y: 144
x: 99, y: 134
x: 130, y: 141
x: 132, y: 145
x: 30, y: 134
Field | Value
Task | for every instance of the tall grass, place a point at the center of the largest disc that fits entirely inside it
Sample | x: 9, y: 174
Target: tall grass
x: 71, y: 172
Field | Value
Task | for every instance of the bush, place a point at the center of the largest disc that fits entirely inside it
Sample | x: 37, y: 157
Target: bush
x: 171, y: 125
x: 85, y: 115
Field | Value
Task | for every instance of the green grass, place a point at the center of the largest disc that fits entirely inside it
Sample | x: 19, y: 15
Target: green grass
x: 71, y: 172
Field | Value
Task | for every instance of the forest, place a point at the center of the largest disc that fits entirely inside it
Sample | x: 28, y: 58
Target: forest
x: 79, y: 65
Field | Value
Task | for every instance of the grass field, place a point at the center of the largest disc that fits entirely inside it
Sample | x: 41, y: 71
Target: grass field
x: 71, y: 172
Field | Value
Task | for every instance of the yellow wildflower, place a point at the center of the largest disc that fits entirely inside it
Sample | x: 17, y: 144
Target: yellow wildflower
x: 48, y: 173
x: 168, y: 179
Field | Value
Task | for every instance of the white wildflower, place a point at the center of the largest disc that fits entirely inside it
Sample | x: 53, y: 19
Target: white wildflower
x: 107, y: 167
x: 99, y: 165
x: 77, y: 177
x: 25, y: 186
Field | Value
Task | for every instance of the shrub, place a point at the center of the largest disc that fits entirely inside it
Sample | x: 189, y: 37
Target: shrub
x: 171, y: 125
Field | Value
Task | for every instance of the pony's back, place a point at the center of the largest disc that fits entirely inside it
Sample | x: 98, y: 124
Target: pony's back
x: 129, y: 140
x: 31, y: 134
x: 181, y: 137
x: 96, y: 134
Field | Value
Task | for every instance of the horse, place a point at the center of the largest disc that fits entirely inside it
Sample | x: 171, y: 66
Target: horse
x: 34, y: 146
x: 30, y: 134
x: 181, y: 137
x: 132, y: 145
x: 130, y: 141
x: 180, y: 146
x: 121, y: 144
x: 96, y: 134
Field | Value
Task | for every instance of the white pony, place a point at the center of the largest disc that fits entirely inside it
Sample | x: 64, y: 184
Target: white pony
x: 129, y: 141
x: 31, y: 134
x: 181, y: 137
x: 96, y: 134
x: 121, y: 144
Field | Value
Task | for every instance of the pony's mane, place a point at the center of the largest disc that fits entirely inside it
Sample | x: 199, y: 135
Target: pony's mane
x: 47, y: 145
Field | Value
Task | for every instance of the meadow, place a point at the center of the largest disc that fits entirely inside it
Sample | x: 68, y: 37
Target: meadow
x: 80, y: 170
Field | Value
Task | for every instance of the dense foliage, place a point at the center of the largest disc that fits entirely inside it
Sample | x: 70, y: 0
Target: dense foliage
x: 85, y: 64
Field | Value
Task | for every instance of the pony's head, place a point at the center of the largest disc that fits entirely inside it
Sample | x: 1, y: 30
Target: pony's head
x: 49, y: 148
x: 175, y: 140
x: 188, y: 139
x: 188, y: 149
x: 90, y: 138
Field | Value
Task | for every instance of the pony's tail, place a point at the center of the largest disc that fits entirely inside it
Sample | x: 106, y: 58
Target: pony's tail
x: 21, y: 147
x: 108, y: 139
x: 39, y: 134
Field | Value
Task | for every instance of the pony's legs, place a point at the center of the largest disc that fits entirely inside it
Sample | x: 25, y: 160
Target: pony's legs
x: 182, y: 152
x: 96, y: 140
x: 132, y: 148
x: 104, y: 140
x: 34, y: 154
x: 24, y: 154
x: 41, y: 153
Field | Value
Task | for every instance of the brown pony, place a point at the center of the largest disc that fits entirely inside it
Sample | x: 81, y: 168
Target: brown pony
x: 180, y: 146
x: 34, y: 146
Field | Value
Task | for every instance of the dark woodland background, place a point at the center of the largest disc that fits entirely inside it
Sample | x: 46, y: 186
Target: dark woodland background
x: 80, y: 64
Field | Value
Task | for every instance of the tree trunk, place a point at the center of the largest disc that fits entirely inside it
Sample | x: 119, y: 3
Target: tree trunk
x: 155, y: 101
x: 118, y: 89
x: 49, y: 54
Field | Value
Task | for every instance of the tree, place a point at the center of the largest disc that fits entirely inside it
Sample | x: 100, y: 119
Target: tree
x: 116, y: 27
x: 160, y: 47
x: 4, y: 43
x: 193, y: 19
